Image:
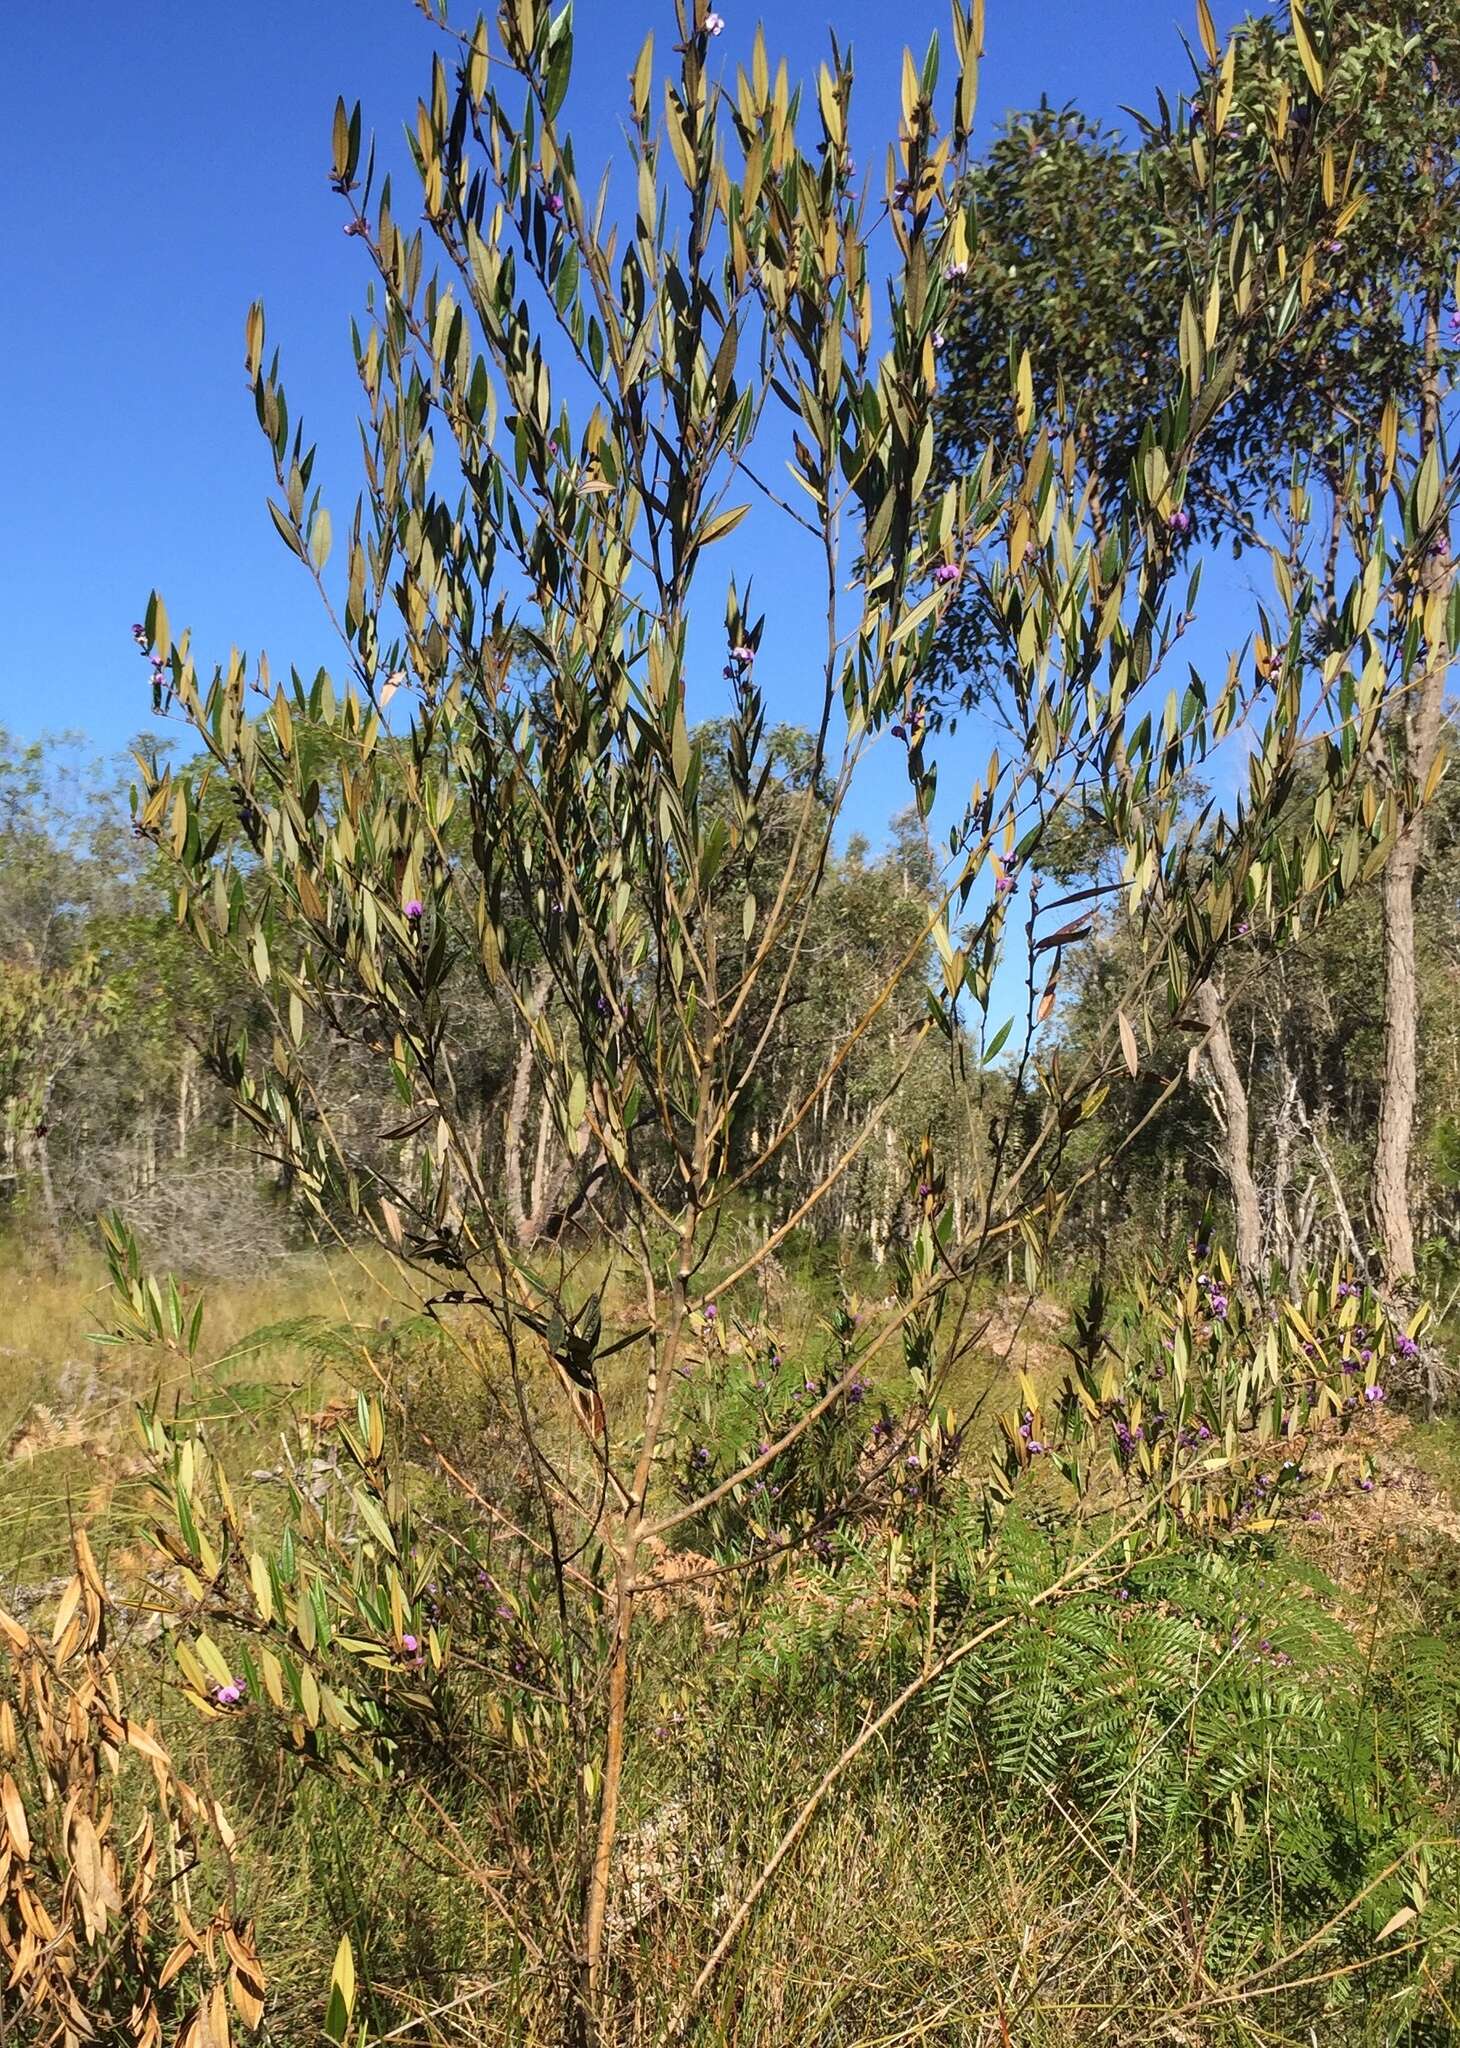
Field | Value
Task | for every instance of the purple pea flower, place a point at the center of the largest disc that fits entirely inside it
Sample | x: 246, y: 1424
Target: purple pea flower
x: 1180, y: 520
x: 714, y: 24
x: 1405, y: 1346
x: 947, y: 572
x: 954, y: 273
x: 415, y: 910
x: 1375, y: 1394
x: 554, y: 205
x: 231, y: 1693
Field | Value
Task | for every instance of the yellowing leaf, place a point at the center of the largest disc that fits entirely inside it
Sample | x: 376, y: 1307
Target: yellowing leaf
x: 721, y: 524
x: 1128, y: 1046
x: 1024, y: 394
x: 1307, y: 55
x: 1206, y: 29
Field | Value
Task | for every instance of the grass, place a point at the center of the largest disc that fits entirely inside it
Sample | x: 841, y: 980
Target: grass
x: 969, y: 1884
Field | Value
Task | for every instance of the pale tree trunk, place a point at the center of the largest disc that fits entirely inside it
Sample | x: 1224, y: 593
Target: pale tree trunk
x: 1420, y: 726
x: 517, y: 1106
x: 540, y: 1163
x: 1236, y: 1131
x: 185, y: 1098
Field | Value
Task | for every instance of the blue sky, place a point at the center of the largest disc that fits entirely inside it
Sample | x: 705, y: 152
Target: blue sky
x: 166, y: 164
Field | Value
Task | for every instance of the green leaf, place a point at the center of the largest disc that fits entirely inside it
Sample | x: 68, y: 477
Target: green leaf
x: 286, y: 531
x: 996, y: 1044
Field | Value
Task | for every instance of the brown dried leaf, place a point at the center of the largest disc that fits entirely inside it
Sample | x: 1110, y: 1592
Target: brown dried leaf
x: 70, y: 1602
x: 144, y: 1740
x: 176, y: 1963
x: 13, y: 1809
x: 245, y: 1982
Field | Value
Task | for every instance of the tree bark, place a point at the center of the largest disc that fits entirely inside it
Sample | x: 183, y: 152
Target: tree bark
x: 517, y: 1105
x: 1236, y: 1133
x: 1420, y: 726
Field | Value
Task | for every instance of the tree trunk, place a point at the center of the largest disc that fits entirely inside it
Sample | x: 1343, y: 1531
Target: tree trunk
x: 1399, y: 1085
x: 517, y: 1215
x: 1236, y: 1132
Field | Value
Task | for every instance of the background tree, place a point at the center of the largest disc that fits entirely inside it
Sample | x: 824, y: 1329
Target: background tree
x: 1088, y: 251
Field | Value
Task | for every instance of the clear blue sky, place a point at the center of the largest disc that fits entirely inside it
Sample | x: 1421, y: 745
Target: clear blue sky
x: 167, y: 163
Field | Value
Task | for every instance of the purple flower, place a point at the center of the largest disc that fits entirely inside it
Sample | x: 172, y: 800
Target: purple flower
x: 1005, y: 885
x: 742, y: 656
x: 1219, y: 1305
x: 954, y: 273
x: 231, y: 1693
x: 410, y: 1642
x: 1405, y: 1346
x: 414, y: 910
x: 1180, y: 520
x: 1333, y: 248
x: 940, y: 341
x: 1366, y: 1486
x: 714, y: 24
x: 1373, y: 1394
x: 712, y: 1314
x: 947, y: 572
x: 554, y: 205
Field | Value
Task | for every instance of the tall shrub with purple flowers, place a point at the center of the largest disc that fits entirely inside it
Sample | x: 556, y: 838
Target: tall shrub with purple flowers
x: 566, y: 415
